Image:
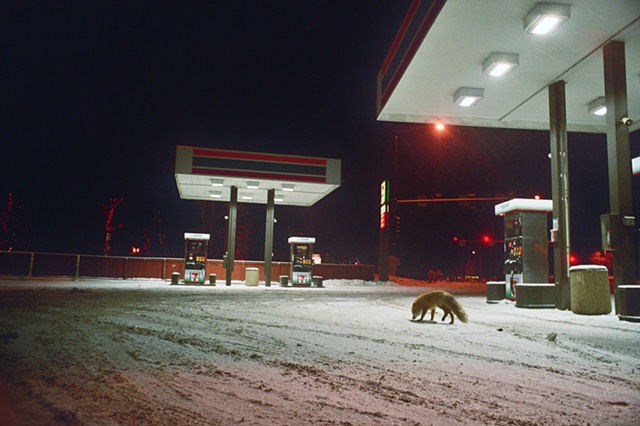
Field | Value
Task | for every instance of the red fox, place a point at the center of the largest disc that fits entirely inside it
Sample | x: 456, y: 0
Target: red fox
x: 440, y: 299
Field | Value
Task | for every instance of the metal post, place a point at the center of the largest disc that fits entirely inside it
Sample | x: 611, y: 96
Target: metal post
x: 31, y: 260
x: 393, y: 204
x: 268, y: 237
x: 231, y: 234
x: 77, y: 268
x: 385, y: 246
x: 384, y: 254
x: 560, y: 192
x: 619, y: 159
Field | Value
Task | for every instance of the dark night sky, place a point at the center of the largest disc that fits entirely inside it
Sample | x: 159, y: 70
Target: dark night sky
x: 95, y: 96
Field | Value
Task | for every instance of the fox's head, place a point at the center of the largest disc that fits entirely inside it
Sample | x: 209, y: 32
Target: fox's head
x: 415, y: 311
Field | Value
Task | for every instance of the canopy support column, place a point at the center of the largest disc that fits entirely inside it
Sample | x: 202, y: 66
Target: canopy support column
x: 268, y: 236
x: 231, y: 234
x: 560, y: 192
x: 619, y: 160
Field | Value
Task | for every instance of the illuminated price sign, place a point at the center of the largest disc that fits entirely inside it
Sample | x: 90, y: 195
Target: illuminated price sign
x: 384, y: 216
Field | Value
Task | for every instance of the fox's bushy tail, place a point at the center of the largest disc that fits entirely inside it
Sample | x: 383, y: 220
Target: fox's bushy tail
x: 455, y: 307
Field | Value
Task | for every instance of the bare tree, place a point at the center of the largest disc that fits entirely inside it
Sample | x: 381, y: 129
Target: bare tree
x: 146, y: 242
x: 13, y: 236
x: 109, y: 226
x: 210, y: 217
x: 155, y: 237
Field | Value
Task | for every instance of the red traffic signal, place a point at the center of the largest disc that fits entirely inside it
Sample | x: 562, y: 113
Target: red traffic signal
x: 486, y: 239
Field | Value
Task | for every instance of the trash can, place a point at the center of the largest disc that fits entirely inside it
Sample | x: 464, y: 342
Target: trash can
x: 629, y: 297
x: 284, y: 280
x: 496, y: 291
x: 316, y: 281
x: 175, y: 276
x: 251, y: 277
x: 590, y: 293
x: 212, y: 279
x: 536, y: 295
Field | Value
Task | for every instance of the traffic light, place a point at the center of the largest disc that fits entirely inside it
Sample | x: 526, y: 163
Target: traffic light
x: 486, y: 239
x: 461, y: 242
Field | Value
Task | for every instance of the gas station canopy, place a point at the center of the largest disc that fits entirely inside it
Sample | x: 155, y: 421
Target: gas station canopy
x: 444, y: 53
x: 209, y: 174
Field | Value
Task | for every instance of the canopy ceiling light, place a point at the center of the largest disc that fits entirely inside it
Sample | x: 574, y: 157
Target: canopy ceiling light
x: 598, y: 106
x: 500, y: 64
x: 545, y: 18
x: 246, y: 196
x: 217, y: 182
x: 468, y: 96
x: 287, y: 187
x: 279, y: 198
x: 253, y: 184
x: 215, y: 194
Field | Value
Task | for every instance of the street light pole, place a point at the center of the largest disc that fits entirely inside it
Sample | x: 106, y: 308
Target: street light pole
x: 394, y: 199
x: 388, y: 208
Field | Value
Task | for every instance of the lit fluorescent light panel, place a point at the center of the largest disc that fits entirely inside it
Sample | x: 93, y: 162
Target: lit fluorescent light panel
x: 468, y: 96
x: 287, y: 187
x: 217, y: 182
x: 253, y: 185
x: 500, y: 64
x: 598, y: 106
x: 215, y: 194
x: 545, y: 18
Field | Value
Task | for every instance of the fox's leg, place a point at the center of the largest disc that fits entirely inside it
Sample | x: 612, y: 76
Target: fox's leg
x: 433, y: 313
x: 424, y: 312
x: 446, y: 312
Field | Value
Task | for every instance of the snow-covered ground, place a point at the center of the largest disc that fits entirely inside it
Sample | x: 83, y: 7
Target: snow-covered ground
x: 146, y: 352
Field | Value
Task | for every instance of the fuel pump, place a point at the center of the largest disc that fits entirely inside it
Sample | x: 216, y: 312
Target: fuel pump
x: 525, y: 242
x: 301, y: 260
x: 195, y: 257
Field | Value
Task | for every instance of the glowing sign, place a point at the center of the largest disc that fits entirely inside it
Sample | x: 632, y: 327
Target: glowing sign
x: 384, y: 216
x: 384, y: 192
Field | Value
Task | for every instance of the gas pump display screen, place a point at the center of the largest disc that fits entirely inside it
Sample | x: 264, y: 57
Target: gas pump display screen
x: 301, y: 258
x: 195, y: 246
x: 513, y: 227
x: 196, y: 254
